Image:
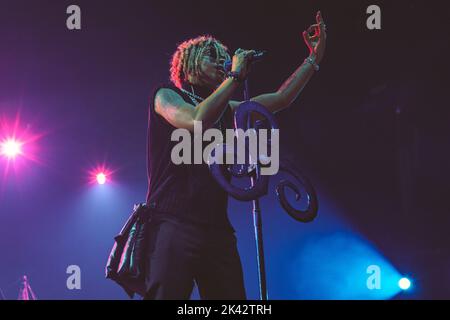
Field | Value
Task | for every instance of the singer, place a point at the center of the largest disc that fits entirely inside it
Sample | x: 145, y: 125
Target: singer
x: 190, y: 238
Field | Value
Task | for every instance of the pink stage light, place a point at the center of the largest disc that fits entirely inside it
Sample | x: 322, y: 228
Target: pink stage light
x: 11, y: 148
x: 100, y: 175
x: 101, y: 178
x: 19, y: 147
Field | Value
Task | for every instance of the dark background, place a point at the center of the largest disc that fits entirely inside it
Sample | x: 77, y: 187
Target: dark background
x: 370, y: 130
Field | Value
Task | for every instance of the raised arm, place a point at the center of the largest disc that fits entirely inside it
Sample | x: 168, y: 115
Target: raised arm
x: 292, y: 87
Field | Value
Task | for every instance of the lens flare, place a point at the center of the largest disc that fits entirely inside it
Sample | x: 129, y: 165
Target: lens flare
x: 404, y: 283
x: 11, y: 148
x: 100, y: 175
x: 19, y: 147
x: 101, y: 178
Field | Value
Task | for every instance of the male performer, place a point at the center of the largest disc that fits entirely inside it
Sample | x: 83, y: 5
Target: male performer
x: 190, y: 237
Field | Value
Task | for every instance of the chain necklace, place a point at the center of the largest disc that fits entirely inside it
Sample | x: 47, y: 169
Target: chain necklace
x: 195, y: 99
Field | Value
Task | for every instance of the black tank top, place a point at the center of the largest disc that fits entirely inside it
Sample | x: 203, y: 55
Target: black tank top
x: 186, y: 191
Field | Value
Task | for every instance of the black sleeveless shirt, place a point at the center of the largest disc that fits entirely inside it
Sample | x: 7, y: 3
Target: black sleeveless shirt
x: 185, y: 191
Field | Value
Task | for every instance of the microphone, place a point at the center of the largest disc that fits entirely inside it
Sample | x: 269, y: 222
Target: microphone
x: 258, y: 56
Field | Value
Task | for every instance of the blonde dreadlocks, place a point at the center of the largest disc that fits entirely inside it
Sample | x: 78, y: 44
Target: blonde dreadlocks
x: 186, y: 59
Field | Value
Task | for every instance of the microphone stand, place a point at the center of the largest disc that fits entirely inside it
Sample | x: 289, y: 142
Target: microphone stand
x: 259, y: 183
x: 257, y: 224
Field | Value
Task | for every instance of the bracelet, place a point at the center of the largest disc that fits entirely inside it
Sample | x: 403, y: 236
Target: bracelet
x: 312, y: 62
x: 234, y: 75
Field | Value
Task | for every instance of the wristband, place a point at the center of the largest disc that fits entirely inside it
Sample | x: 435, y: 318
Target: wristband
x: 234, y: 75
x: 312, y: 62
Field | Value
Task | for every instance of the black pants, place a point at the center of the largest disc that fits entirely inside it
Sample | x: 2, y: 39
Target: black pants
x: 181, y: 254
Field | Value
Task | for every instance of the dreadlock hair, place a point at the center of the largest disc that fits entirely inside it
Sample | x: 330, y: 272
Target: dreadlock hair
x: 186, y: 59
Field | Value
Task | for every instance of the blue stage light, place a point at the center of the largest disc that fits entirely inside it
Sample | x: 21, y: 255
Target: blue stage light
x: 404, y: 283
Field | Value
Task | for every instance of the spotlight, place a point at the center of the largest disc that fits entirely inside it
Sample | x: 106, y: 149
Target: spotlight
x: 404, y: 283
x: 11, y: 148
x: 101, y: 178
x: 100, y: 174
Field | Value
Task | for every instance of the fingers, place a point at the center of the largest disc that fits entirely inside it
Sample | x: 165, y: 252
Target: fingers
x: 314, y: 30
x: 307, y: 38
x: 245, y: 53
x: 313, y: 27
x: 319, y: 18
x: 322, y: 25
x: 238, y: 51
x: 248, y: 53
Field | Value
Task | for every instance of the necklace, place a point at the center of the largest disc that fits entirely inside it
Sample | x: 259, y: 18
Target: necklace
x: 195, y: 99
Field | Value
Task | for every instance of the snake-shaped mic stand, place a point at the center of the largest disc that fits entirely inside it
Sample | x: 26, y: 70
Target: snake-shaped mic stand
x: 258, y: 182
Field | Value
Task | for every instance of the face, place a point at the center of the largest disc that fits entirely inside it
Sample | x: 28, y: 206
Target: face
x: 211, y: 68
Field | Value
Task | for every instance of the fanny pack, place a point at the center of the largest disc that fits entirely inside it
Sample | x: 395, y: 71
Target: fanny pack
x: 128, y: 258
